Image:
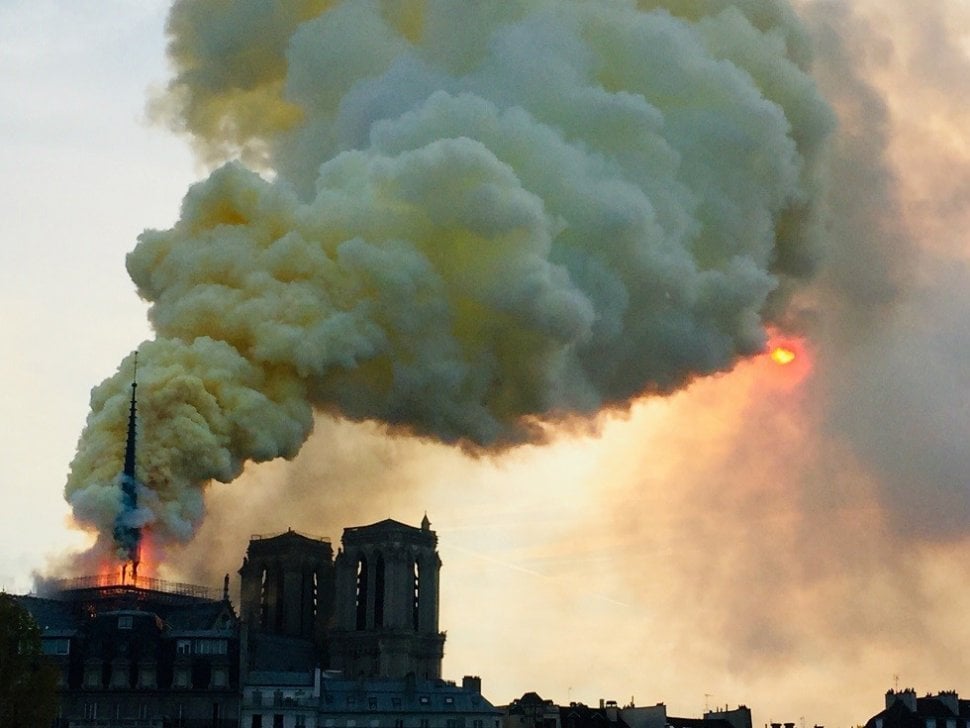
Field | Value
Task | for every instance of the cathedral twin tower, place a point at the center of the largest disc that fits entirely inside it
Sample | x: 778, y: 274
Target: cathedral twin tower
x: 371, y: 612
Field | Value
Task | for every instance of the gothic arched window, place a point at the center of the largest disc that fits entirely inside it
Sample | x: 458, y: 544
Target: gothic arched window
x: 417, y: 594
x: 362, y: 592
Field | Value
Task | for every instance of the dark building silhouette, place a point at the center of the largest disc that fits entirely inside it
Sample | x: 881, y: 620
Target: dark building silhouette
x: 578, y: 715
x: 386, y: 602
x: 905, y: 710
x: 157, y: 655
x: 531, y: 711
x: 287, y: 586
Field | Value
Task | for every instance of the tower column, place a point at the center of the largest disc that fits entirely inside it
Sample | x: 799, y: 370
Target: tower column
x: 287, y: 585
x: 395, y: 636
x: 428, y: 568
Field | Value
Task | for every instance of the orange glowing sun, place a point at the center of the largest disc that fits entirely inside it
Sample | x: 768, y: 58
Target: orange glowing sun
x: 782, y: 355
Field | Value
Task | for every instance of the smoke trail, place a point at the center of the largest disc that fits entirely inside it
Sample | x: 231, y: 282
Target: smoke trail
x: 481, y: 220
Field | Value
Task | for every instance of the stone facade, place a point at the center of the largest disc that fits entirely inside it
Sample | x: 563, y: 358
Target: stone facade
x: 287, y: 585
x: 386, y: 603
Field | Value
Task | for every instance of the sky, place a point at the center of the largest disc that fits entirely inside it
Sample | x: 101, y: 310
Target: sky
x: 791, y: 538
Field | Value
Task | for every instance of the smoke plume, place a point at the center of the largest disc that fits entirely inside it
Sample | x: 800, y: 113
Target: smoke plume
x: 464, y: 221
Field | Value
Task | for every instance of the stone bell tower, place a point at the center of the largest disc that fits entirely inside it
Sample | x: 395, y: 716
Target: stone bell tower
x: 386, y: 602
x: 287, y: 586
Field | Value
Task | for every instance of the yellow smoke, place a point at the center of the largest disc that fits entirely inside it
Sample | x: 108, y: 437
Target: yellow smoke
x: 482, y: 218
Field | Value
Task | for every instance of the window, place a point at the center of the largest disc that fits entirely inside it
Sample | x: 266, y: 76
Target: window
x: 183, y: 647
x: 55, y: 646
x: 416, y: 584
x: 425, y: 723
x: 451, y: 723
x: 277, y: 720
x: 351, y: 700
x: 396, y: 702
x: 210, y: 647
x: 300, y: 720
x: 92, y: 676
x: 180, y: 678
x: 257, y: 721
x: 361, y: 593
x: 449, y: 700
x: 399, y: 723
x: 219, y: 677
x: 257, y: 698
x: 424, y: 700
x: 372, y: 703
x: 91, y: 711
x: 125, y: 621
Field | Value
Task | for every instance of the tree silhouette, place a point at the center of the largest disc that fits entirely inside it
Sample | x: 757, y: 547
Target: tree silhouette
x: 28, y: 683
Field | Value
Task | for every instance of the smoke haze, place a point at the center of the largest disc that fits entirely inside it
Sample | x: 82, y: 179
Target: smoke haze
x: 786, y: 538
x: 480, y: 223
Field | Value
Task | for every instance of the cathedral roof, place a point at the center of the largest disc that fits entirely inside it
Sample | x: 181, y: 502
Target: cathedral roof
x: 50, y: 614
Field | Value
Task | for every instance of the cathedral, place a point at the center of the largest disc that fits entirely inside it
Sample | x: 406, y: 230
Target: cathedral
x: 320, y: 639
x: 370, y: 612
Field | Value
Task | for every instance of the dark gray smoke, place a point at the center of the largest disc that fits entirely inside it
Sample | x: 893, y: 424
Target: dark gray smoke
x: 482, y: 220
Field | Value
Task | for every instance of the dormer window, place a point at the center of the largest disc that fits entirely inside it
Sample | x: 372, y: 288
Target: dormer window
x: 126, y: 621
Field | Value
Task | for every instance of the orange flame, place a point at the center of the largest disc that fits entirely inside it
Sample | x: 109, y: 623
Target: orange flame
x: 114, y: 572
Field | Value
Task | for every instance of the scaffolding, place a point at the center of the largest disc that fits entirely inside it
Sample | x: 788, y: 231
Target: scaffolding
x: 114, y: 583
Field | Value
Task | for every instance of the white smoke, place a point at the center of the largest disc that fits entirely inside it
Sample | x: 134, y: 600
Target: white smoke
x: 476, y: 220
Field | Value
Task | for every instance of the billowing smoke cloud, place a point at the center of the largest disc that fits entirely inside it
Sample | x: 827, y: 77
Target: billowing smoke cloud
x: 475, y: 220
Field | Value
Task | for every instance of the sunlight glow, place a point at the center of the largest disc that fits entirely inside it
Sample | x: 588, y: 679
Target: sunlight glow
x: 782, y: 355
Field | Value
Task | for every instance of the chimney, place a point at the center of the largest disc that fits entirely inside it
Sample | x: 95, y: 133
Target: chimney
x: 612, y: 711
x: 472, y: 683
x: 951, y: 701
x: 907, y: 696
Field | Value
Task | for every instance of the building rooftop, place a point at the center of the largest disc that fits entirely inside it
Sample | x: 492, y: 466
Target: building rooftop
x: 66, y: 589
x: 386, y: 695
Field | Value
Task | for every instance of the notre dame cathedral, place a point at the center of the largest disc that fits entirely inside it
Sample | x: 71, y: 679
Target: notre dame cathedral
x: 370, y: 612
x: 320, y: 640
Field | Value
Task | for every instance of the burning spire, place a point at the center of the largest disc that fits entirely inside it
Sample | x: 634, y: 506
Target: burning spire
x: 127, y: 535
